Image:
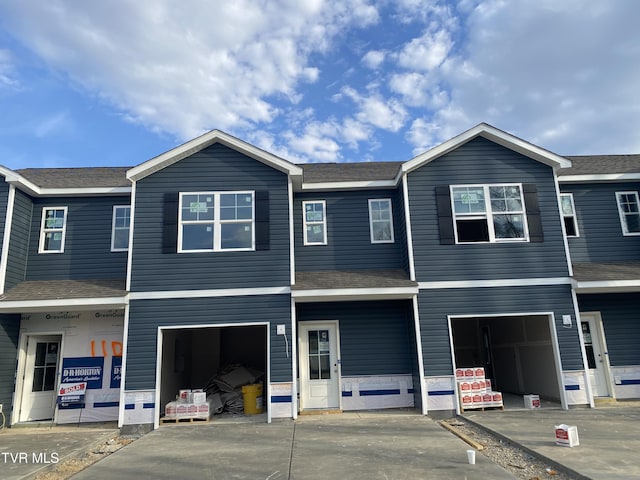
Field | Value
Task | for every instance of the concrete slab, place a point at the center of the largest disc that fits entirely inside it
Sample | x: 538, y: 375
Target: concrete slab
x: 609, y: 437
x: 346, y: 446
x: 24, y: 452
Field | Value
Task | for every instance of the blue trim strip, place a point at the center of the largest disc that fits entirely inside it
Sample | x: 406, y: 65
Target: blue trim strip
x: 572, y: 387
x: 72, y: 406
x: 347, y: 394
x: 435, y: 393
x: 368, y: 393
x: 129, y: 406
x: 105, y: 404
x: 148, y: 405
x: 281, y: 399
x: 411, y: 390
x: 630, y: 382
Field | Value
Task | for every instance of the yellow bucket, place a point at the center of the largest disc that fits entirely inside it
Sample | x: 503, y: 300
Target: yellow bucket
x: 252, y: 397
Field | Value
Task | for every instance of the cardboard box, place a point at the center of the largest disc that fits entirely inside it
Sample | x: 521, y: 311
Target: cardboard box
x: 183, y: 395
x: 478, y: 373
x: 465, y: 387
x: 459, y: 373
x: 567, y: 435
x: 170, y: 410
x: 532, y: 401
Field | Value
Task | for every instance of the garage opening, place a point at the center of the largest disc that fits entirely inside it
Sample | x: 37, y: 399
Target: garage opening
x: 516, y: 352
x: 213, y: 369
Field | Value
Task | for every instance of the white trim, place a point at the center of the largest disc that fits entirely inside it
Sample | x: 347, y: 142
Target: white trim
x: 156, y: 414
x: 123, y: 366
x: 407, y: 218
x: 505, y: 282
x: 600, y: 177
x: 554, y: 342
x: 42, y: 229
x: 324, y: 222
x: 583, y: 350
x: 219, y: 292
x: 203, y: 141
x: 452, y: 347
x: 418, y: 334
x: 294, y: 361
x: 488, y: 214
x: 353, y: 185
x: 292, y: 237
x: 495, y: 135
x: 6, y: 238
x: 217, y: 222
x: 622, y: 215
x: 565, y: 240
x: 345, y: 294
x: 131, y: 229
x: 608, y: 286
x: 23, y: 306
x: 113, y: 228
x: 389, y: 203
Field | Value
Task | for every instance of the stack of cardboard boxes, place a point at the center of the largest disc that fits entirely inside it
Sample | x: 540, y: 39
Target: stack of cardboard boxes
x: 474, y: 390
x: 190, y: 404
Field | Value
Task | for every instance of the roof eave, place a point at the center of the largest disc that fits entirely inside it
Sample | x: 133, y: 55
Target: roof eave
x: 495, y: 135
x: 200, y: 143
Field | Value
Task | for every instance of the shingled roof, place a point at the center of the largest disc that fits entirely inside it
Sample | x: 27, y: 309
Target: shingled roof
x: 350, y: 172
x: 88, y: 177
x: 602, y: 164
x: 341, y: 279
x: 64, y: 290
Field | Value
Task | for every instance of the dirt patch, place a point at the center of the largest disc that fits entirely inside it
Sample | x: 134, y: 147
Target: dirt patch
x: 66, y: 468
x: 517, y: 461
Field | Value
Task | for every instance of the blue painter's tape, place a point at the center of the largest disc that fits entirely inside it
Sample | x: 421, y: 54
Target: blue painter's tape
x: 572, y: 387
x: 347, y: 394
x: 281, y: 399
x: 105, y: 404
x: 435, y: 393
x: 129, y: 406
x: 148, y: 405
x: 630, y: 382
x: 368, y: 393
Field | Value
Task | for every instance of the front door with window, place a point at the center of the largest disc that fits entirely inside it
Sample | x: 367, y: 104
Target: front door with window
x: 319, y: 365
x: 40, y: 378
x: 595, y: 347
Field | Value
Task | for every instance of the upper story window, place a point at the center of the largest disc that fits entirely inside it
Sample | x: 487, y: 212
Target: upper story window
x: 315, y: 222
x: 120, y: 228
x: 489, y: 213
x: 216, y: 221
x: 629, y: 210
x: 52, y: 230
x: 569, y: 215
x: 380, y: 220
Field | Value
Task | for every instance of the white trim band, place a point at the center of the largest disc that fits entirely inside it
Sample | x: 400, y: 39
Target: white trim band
x: 343, y: 294
x: 62, y: 304
x: 508, y: 282
x: 221, y: 292
x: 600, y: 177
x: 608, y: 286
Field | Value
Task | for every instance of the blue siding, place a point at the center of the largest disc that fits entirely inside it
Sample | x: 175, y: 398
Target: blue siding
x: 87, y: 249
x: 376, y: 338
x: 9, y: 330
x: 619, y: 313
x: 20, y: 239
x: 216, y: 168
x: 348, y: 237
x: 4, y: 196
x: 145, y: 316
x: 482, y: 162
x: 601, y: 238
x: 436, y: 305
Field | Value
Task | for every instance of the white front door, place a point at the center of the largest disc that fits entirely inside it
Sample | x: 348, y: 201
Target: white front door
x: 595, y: 347
x: 40, y: 378
x: 319, y: 365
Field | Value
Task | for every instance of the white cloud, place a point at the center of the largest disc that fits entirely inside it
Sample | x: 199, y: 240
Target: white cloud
x: 426, y: 52
x: 373, y: 59
x: 7, y: 70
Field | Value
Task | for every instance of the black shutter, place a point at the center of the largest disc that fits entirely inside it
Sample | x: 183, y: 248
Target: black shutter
x: 445, y: 216
x: 262, y: 220
x: 530, y: 193
x: 170, y: 223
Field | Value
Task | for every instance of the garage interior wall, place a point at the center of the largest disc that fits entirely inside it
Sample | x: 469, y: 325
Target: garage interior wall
x: 521, y: 360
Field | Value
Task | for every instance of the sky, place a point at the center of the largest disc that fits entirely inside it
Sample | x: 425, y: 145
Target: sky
x: 115, y: 83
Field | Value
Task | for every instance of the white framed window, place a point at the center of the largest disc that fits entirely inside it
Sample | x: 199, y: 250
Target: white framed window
x: 380, y: 220
x: 629, y: 210
x: 53, y: 229
x: 216, y: 221
x: 120, y: 226
x: 569, y: 215
x: 489, y: 213
x: 315, y: 222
